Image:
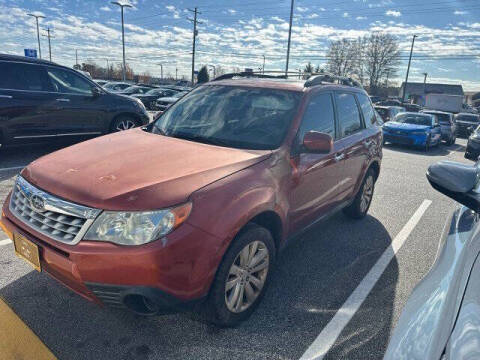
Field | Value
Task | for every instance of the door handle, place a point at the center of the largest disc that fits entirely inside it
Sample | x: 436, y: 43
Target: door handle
x: 63, y: 100
x: 339, y: 156
x: 6, y: 96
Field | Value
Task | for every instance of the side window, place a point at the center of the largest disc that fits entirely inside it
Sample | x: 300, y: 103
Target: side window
x: 66, y: 81
x: 348, y: 114
x: 367, y: 110
x: 318, y: 116
x: 21, y: 76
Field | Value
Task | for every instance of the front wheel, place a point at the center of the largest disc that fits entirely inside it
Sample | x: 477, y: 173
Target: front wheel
x: 123, y: 123
x: 360, y: 205
x: 242, y: 277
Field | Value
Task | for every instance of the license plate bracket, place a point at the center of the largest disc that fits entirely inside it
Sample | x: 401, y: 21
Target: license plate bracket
x: 27, y: 250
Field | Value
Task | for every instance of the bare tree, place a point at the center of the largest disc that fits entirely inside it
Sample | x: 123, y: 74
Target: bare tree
x: 342, y: 57
x: 308, y: 68
x: 381, y: 57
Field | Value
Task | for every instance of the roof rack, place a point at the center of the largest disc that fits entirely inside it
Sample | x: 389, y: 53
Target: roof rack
x: 313, y: 79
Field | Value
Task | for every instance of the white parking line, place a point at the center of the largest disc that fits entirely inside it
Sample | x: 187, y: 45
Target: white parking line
x: 330, y: 333
x: 12, y: 168
x: 456, y: 148
x: 5, y: 242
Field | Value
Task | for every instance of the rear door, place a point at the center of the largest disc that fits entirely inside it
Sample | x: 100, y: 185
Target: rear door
x: 27, y: 102
x: 354, y: 138
x: 317, y: 178
x: 82, y: 112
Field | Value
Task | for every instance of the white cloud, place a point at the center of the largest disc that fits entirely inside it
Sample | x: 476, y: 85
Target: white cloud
x: 170, y: 8
x: 361, y: 18
x: 232, y: 11
x: 302, y: 9
x: 460, y: 12
x: 393, y: 13
x: 105, y: 8
x: 346, y: 14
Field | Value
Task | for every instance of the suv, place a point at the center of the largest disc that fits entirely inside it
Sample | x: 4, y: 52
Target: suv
x: 41, y: 101
x: 466, y: 123
x: 447, y: 125
x: 194, y: 208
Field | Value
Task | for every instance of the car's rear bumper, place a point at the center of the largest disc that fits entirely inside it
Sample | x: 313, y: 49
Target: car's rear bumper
x: 174, y: 271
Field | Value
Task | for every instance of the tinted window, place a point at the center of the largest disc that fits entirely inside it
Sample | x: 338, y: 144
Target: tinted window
x: 231, y: 116
x: 318, y: 116
x: 19, y: 76
x: 443, y: 118
x: 415, y: 119
x: 348, y: 114
x: 467, y: 117
x: 65, y: 81
x: 367, y: 110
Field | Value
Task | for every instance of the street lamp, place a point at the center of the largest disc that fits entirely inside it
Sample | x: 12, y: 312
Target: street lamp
x: 408, y: 68
x: 161, y: 70
x: 38, y: 32
x: 122, y: 5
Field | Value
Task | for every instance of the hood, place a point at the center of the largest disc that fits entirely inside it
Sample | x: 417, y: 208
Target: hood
x: 135, y: 170
x: 143, y: 96
x: 407, y: 127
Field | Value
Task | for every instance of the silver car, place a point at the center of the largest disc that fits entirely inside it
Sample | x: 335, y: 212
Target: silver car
x: 441, y: 319
x: 447, y: 125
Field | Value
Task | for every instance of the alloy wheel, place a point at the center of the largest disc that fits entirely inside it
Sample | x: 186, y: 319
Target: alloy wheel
x: 246, y: 277
x: 367, y: 194
x: 125, y: 125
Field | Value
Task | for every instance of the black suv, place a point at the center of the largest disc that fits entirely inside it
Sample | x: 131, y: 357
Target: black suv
x: 42, y: 101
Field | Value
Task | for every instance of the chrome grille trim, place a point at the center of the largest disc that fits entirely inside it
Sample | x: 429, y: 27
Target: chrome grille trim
x: 59, y: 219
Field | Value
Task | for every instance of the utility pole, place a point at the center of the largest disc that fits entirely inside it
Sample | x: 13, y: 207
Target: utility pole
x: 38, y: 32
x: 289, y: 38
x: 408, y: 69
x: 161, y: 70
x: 263, y: 67
x: 49, y: 44
x: 76, y: 57
x: 195, y: 34
x: 123, y: 5
x: 108, y: 70
x: 425, y: 82
x: 176, y: 73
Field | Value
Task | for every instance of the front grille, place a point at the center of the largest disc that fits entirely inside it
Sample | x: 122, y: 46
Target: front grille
x: 58, y: 219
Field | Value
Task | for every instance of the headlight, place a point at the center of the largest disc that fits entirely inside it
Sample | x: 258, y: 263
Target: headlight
x: 137, y: 228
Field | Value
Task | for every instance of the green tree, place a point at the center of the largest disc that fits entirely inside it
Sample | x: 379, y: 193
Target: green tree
x: 203, y: 76
x: 308, y: 68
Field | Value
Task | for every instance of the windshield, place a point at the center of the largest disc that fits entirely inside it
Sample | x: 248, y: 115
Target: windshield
x: 442, y: 118
x: 247, y: 118
x: 415, y: 119
x: 467, y: 117
x: 383, y: 112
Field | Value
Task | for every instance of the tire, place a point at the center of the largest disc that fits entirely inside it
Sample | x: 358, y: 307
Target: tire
x: 427, y: 144
x: 452, y: 140
x: 122, y: 123
x: 217, y: 309
x: 360, y: 205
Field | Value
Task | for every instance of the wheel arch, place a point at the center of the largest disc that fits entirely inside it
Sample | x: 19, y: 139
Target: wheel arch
x: 375, y: 166
x: 135, y: 117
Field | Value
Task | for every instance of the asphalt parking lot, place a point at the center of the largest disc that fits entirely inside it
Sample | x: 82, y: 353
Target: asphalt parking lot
x: 313, y: 308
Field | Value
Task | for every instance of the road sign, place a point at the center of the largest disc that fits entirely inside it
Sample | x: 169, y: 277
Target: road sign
x: 31, y: 53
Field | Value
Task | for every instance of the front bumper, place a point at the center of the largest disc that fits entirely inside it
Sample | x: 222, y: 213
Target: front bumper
x: 404, y: 139
x: 176, y: 270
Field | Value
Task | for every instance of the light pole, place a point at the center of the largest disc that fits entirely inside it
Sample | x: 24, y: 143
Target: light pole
x: 289, y: 38
x: 38, y: 32
x: 161, y: 70
x: 123, y: 5
x: 408, y: 68
x: 263, y: 68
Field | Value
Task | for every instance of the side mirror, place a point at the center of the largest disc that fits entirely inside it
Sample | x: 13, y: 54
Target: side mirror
x: 317, y: 142
x: 457, y: 181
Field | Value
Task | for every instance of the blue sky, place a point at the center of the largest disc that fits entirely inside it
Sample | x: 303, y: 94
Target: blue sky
x: 238, y: 33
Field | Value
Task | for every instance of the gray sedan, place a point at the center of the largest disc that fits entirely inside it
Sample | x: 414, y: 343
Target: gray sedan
x: 441, y: 319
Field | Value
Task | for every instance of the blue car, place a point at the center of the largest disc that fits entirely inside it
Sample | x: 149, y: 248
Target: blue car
x: 416, y: 129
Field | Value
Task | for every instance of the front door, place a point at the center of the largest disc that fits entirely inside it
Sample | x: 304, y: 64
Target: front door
x: 317, y: 178
x: 82, y: 112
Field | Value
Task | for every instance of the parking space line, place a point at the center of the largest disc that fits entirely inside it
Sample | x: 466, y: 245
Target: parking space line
x: 12, y: 168
x: 5, y: 242
x: 327, y: 337
x: 455, y: 149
